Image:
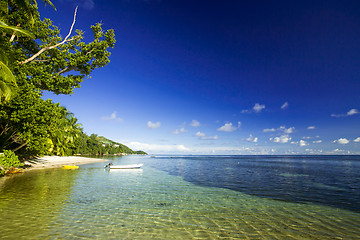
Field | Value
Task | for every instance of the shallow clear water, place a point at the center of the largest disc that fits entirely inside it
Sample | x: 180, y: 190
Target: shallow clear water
x: 328, y: 180
x: 150, y: 203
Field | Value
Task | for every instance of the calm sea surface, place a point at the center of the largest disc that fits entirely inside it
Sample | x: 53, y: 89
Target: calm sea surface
x: 187, y: 197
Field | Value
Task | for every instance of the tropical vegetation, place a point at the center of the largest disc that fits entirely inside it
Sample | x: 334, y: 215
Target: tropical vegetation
x: 34, y: 57
x: 98, y: 145
x: 8, y: 162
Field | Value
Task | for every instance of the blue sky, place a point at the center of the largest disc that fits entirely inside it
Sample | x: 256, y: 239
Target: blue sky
x: 222, y: 77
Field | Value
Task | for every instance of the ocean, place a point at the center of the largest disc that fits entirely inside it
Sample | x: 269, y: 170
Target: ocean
x: 187, y: 197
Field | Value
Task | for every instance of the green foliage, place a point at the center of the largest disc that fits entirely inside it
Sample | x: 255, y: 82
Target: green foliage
x: 98, y: 145
x: 7, y: 79
x: 27, y: 123
x: 140, y: 152
x: 8, y: 160
x: 61, y: 69
x: 64, y: 136
x: 34, y: 53
x: 34, y: 57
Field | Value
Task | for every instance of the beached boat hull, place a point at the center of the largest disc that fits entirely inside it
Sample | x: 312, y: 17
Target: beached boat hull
x: 70, y: 167
x: 130, y: 166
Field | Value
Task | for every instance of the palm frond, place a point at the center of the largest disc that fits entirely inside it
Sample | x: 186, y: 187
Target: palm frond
x: 5, y: 91
x: 16, y: 29
x: 7, y: 82
x: 6, y: 75
x: 50, y: 3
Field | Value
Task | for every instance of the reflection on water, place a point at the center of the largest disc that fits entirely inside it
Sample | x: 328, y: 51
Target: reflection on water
x: 121, y: 171
x: 30, y: 202
x: 93, y: 203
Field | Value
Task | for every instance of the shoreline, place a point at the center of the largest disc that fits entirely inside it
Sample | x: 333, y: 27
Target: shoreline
x: 46, y: 162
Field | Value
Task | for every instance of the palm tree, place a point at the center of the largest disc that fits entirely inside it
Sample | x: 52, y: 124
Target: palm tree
x: 67, y: 131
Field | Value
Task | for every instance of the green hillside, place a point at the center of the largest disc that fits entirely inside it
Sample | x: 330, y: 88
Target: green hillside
x: 119, y: 146
x: 99, y: 145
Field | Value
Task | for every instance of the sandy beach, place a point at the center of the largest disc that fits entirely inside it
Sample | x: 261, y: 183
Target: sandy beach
x: 57, y: 161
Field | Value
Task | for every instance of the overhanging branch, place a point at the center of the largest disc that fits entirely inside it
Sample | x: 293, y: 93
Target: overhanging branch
x: 54, y: 46
x: 67, y: 69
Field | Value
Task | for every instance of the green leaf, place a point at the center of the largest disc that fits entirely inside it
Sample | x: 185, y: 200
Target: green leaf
x: 16, y: 29
x: 50, y: 3
x: 7, y: 82
x: 5, y: 74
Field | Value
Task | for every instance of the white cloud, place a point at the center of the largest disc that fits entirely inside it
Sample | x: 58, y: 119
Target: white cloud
x: 282, y: 139
x: 200, y: 134
x: 182, y: 130
x: 281, y: 128
x: 352, y: 112
x: 157, y: 147
x: 228, y: 127
x: 269, y: 130
x: 210, y: 137
x: 314, y: 151
x: 234, y: 150
x: 287, y: 130
x: 285, y: 105
x: 357, y: 139
x: 318, y: 141
x: 194, y: 123
x: 112, y: 117
x: 178, y: 131
x: 338, y: 150
x: 153, y: 125
x: 349, y: 113
x: 341, y: 141
x: 203, y: 136
x: 303, y: 143
x: 258, y: 108
x: 311, y: 127
x: 252, y: 139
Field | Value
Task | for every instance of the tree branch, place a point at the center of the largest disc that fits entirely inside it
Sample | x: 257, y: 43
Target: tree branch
x: 19, y: 147
x: 64, y: 71
x: 54, y: 46
x: 67, y: 69
x: 42, y: 60
x: 90, y: 51
x: 13, y: 35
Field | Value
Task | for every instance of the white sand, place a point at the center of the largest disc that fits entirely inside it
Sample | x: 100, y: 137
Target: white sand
x: 56, y: 161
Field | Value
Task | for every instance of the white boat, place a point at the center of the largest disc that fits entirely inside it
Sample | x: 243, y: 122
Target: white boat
x: 130, y: 166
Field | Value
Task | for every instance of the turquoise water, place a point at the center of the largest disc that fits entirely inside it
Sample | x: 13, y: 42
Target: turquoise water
x: 150, y: 203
